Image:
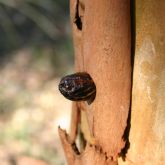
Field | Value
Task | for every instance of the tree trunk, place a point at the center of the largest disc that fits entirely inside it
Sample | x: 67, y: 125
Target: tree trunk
x: 147, y: 133
x: 101, y: 32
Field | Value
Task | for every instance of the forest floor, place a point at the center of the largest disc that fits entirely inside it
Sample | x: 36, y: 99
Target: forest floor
x: 31, y: 109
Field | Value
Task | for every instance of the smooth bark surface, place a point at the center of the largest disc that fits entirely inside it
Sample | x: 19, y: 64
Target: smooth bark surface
x: 147, y: 133
x: 106, y: 51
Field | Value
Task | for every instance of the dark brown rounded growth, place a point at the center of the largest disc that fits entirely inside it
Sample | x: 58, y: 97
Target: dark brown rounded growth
x: 78, y: 87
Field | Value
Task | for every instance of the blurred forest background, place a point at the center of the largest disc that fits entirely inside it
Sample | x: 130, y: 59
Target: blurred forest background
x: 35, y: 50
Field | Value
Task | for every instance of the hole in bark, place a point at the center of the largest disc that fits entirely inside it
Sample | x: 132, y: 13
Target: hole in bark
x: 82, y: 142
x: 78, y: 20
x: 76, y: 150
x: 78, y: 23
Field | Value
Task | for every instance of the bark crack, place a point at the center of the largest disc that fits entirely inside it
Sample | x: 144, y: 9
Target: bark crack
x: 78, y: 17
x: 133, y: 43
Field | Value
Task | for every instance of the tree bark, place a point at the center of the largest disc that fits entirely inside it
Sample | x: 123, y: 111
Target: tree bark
x: 147, y: 133
x: 102, y: 42
x: 101, y: 32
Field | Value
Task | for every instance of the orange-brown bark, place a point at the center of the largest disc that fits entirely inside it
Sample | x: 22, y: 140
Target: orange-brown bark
x: 92, y: 155
x: 101, y: 32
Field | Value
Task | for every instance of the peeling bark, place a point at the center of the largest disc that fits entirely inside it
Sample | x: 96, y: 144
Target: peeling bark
x: 92, y: 155
x: 102, y: 42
